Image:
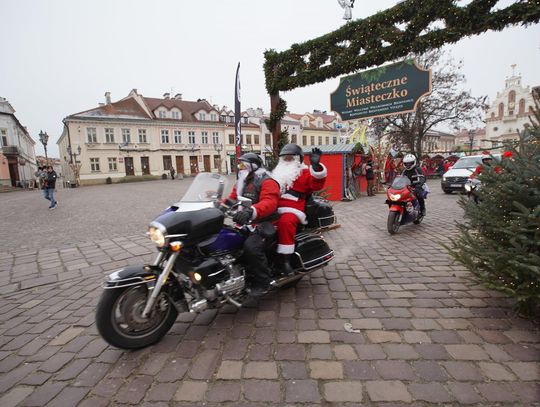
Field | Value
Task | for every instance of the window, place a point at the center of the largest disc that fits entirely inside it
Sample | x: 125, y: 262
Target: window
x: 268, y: 139
x: 304, y: 140
x: 167, y: 162
x: 521, y: 110
x: 305, y: 123
x: 175, y: 115
x: 327, y: 140
x: 312, y: 140
x: 94, y: 164
x: 204, y: 136
x: 213, y: 117
x: 501, y: 110
x: 162, y: 114
x: 223, y: 118
x: 126, y: 135
x: 319, y: 140
x: 109, y: 135
x: 231, y: 119
x: 164, y: 136
x: 91, y: 134
x: 3, y: 133
x: 231, y: 138
x: 191, y: 137
x: 512, y: 96
x: 319, y: 124
x: 217, y: 161
x: 177, y: 137
x: 334, y: 140
x: 256, y: 139
x: 293, y: 138
x: 215, y: 137
x: 142, y: 136
x: 246, y: 120
x: 202, y: 116
x: 248, y: 138
x: 112, y: 164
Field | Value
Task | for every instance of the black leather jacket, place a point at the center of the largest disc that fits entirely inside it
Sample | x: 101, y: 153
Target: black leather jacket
x: 416, y: 175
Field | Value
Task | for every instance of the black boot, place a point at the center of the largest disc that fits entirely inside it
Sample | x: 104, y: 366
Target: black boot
x: 285, y: 265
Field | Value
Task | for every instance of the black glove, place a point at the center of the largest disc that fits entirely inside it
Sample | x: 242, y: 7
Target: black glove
x: 243, y: 217
x: 316, y: 159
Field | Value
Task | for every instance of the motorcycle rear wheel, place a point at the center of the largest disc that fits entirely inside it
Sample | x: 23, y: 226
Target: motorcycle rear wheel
x: 119, y: 320
x: 393, y: 222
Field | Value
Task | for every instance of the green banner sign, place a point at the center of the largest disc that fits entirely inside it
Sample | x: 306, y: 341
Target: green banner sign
x: 388, y: 90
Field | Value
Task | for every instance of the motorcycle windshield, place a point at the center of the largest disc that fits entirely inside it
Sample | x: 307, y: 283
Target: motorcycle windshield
x: 401, y: 182
x: 205, y: 188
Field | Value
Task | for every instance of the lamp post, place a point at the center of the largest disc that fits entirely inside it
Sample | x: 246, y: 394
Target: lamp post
x: 75, y: 166
x: 471, y: 140
x: 219, y: 149
x: 44, y: 138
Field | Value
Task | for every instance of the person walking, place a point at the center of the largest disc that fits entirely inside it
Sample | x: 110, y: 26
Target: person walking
x: 49, y: 186
x: 172, y: 172
x: 370, y: 178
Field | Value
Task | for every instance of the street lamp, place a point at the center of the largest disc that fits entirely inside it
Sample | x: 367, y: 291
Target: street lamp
x: 44, y: 138
x: 73, y: 155
x: 75, y: 167
x: 471, y: 140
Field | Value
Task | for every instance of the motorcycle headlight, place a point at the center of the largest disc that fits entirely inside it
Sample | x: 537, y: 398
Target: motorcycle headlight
x: 395, y: 197
x: 156, y: 235
x: 468, y: 187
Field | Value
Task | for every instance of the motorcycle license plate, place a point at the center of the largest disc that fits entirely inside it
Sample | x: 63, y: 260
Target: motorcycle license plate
x: 456, y: 185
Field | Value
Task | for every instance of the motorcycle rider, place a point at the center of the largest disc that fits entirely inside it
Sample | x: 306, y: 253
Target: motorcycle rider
x: 418, y: 179
x: 487, y: 159
x: 297, y: 181
x: 255, y: 182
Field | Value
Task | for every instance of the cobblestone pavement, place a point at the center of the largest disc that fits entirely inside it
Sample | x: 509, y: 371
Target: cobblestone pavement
x: 422, y: 333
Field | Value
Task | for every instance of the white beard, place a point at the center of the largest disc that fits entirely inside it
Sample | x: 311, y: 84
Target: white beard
x: 242, y: 175
x: 286, y: 172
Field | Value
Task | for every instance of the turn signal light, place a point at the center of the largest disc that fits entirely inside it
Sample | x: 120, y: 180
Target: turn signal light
x: 175, y: 246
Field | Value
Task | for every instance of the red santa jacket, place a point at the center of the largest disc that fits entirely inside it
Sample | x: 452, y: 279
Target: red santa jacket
x: 293, y: 200
x: 268, y: 194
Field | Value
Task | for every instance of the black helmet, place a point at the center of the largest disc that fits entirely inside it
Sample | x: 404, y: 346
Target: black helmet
x: 252, y: 158
x: 292, y: 149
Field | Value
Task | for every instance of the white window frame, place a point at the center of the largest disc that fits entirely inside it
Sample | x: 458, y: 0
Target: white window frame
x: 113, y: 165
x: 94, y: 164
x: 204, y: 137
x: 142, y: 136
x: 91, y: 135
x: 162, y: 114
x: 215, y: 137
x: 191, y: 137
x: 126, y: 135
x: 202, y: 116
x: 109, y: 135
x: 177, y: 137
x: 213, y: 117
x: 164, y: 136
x: 175, y: 114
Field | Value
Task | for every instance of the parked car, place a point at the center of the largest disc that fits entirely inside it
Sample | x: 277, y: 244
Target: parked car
x: 455, y: 178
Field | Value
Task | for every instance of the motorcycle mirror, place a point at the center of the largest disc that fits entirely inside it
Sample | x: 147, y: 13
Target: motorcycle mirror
x: 220, y: 189
x: 245, y: 202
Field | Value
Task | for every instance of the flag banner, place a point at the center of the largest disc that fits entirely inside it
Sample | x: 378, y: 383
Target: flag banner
x: 237, y: 113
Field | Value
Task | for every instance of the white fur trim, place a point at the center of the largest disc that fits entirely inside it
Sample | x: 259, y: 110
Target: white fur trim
x: 319, y: 175
x: 289, y: 197
x: 299, y: 214
x: 254, y: 216
x: 285, y: 248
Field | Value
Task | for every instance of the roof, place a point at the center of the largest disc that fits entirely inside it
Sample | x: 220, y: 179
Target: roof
x: 331, y: 148
x: 187, y: 108
x: 124, y: 109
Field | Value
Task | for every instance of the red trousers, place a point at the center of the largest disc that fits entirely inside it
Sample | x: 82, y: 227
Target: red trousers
x: 286, y: 230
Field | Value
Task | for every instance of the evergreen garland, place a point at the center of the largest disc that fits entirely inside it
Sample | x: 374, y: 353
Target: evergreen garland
x: 380, y: 38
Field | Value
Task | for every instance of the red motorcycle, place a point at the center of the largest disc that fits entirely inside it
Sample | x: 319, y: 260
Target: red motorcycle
x: 403, y: 205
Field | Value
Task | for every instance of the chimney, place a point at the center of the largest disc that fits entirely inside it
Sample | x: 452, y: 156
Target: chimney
x: 178, y: 96
x: 108, y: 98
x: 166, y: 96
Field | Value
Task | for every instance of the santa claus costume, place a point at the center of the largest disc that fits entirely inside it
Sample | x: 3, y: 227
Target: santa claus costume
x: 297, y: 181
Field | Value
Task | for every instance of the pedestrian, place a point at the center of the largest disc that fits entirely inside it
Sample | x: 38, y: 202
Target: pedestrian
x: 370, y: 177
x: 40, y: 175
x: 172, y: 172
x: 49, y: 186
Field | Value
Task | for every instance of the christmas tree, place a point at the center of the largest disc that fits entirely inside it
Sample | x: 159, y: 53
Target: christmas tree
x: 499, y: 240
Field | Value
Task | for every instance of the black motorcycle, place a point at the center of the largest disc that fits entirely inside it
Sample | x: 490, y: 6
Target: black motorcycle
x: 198, y: 265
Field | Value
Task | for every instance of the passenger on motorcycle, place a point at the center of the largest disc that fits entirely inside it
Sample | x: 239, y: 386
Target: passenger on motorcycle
x: 417, y: 178
x: 255, y: 183
x: 297, y: 181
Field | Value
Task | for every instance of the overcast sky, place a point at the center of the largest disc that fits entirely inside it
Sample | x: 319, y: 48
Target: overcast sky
x: 60, y: 56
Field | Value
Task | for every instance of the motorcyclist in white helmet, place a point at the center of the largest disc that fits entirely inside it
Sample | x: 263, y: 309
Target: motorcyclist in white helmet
x: 418, y: 179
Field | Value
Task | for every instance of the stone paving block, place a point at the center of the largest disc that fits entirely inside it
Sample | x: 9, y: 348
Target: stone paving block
x: 387, y: 390
x: 290, y: 352
x: 463, y: 371
x: 430, y: 392
x: 430, y: 371
x: 262, y: 391
x: 191, y: 391
x: 43, y: 394
x: 261, y: 370
x: 314, y: 337
x: 416, y: 337
x: 528, y: 393
x: 467, y: 352
x: 134, y: 390
x: 161, y: 392
x: 496, y: 371
x: 383, y: 336
x: 69, y: 396
x: 230, y: 370
x: 302, y: 391
x: 344, y: 352
x: 343, y: 392
x: 525, y: 370
x: 15, y: 396
x: 223, y: 391
x: 326, y: 370
x: 394, y: 370
x: 370, y: 352
x: 204, y: 365
x: 66, y: 336
x: 496, y: 392
x: 400, y: 351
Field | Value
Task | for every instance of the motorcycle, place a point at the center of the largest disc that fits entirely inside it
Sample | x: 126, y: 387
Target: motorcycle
x: 197, y: 266
x: 403, y: 205
x: 473, y: 187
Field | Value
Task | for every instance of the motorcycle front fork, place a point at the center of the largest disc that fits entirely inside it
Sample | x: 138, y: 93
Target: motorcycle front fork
x: 156, y: 289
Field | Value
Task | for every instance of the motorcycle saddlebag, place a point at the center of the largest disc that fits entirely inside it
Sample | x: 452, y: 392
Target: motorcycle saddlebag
x: 311, y: 251
x: 319, y: 213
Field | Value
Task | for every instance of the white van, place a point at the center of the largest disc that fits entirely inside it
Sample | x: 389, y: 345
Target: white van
x: 454, y: 179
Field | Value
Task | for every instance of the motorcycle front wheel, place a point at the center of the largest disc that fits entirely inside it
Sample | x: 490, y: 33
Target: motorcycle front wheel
x: 393, y: 222
x: 120, y: 322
